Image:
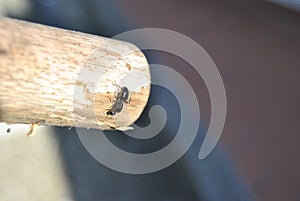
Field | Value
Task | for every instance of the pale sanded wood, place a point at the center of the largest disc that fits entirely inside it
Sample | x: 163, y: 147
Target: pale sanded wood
x: 48, y: 75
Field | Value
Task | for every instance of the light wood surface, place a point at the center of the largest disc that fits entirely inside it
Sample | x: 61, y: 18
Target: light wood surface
x: 66, y: 78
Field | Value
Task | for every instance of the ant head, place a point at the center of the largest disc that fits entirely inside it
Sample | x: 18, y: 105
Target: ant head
x: 111, y: 112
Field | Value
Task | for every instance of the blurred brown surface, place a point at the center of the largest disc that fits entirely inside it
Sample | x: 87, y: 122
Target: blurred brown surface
x: 256, y: 47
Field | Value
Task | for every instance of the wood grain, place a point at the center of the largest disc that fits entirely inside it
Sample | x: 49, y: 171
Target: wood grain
x: 66, y: 78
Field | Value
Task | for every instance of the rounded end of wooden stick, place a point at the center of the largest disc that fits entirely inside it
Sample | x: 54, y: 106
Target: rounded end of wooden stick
x: 122, y: 89
x: 126, y: 94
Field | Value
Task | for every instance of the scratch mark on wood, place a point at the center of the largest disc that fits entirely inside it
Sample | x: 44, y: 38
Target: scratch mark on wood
x: 3, y: 52
x: 128, y: 66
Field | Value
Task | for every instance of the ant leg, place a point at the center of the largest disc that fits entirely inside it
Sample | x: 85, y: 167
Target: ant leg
x: 128, y: 101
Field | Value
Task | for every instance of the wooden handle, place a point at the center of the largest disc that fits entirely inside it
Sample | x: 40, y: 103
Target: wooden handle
x: 65, y: 78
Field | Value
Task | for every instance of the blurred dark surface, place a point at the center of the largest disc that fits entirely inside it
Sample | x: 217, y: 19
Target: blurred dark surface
x: 256, y: 47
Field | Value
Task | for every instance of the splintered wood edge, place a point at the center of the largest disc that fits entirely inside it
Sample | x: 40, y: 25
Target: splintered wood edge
x: 130, y: 113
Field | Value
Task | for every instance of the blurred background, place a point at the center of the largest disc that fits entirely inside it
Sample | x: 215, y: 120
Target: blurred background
x: 256, y: 47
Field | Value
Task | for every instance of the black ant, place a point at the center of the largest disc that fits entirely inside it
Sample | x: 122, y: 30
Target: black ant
x: 122, y: 97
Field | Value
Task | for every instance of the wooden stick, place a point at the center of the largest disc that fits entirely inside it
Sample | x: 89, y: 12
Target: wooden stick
x: 65, y: 78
